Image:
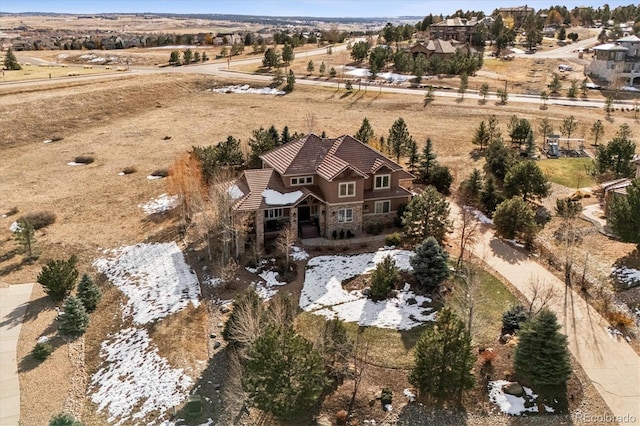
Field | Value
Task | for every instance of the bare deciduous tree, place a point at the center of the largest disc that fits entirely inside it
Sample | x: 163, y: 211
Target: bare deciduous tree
x: 541, y: 295
x: 310, y: 121
x: 469, y: 228
x: 284, y: 242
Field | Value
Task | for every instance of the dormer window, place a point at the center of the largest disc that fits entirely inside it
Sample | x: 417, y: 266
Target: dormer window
x: 302, y: 180
x: 382, y: 182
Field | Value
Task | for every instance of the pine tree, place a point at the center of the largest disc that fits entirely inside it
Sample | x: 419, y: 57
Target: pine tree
x: 25, y: 236
x: 499, y: 158
x: 89, y: 293
x: 310, y: 67
x: 427, y: 214
x: 323, y: 68
x: 284, y: 375
x: 58, y: 278
x: 444, y: 359
x: 75, y: 319
x: 174, y: 58
x: 515, y: 219
x: 430, y: 264
x: 427, y: 161
x: 489, y: 197
x: 10, y: 61
x: 365, y: 132
x: 526, y: 179
x: 291, y: 82
x: 624, y: 219
x: 471, y: 188
x: 398, y: 138
x: 414, y: 156
x: 285, y: 137
x: 542, y: 355
x: 384, y: 278
x: 64, y: 419
x: 481, y: 136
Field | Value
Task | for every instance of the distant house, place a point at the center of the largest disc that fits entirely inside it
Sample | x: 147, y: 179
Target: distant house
x: 514, y: 17
x: 460, y: 29
x: 618, y: 187
x: 616, y: 61
x: 321, y: 187
x: 437, y: 47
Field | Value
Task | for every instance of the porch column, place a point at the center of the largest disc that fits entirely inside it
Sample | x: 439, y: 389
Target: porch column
x: 259, y: 228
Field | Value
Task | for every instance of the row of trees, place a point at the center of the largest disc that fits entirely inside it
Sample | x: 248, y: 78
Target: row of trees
x: 188, y: 57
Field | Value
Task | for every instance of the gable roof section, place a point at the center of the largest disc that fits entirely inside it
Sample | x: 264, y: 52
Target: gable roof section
x: 256, y: 181
x: 327, y: 157
x: 631, y: 38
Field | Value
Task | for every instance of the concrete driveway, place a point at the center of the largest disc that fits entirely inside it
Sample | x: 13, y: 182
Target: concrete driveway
x: 13, y: 304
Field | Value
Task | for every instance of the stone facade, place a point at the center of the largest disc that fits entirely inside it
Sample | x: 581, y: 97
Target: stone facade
x: 375, y: 219
x: 332, y: 217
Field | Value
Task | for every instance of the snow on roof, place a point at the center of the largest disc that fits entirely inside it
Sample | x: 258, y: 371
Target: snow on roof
x: 631, y: 38
x: 235, y: 192
x: 275, y: 198
x: 609, y: 46
x: 322, y: 293
x: 155, y: 279
x: 136, y: 380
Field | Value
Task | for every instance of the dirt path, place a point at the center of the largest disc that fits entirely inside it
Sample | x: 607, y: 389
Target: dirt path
x: 610, y: 363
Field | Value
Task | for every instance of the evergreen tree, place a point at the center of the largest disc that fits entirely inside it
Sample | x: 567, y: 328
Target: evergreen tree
x: 514, y: 318
x: 398, y: 138
x: 484, y: 91
x: 430, y: 264
x: 285, y: 137
x: 333, y: 73
x: 531, y: 145
x: 205, y: 57
x: 624, y: 214
x: 481, y: 136
x: 515, y: 219
x: 75, y: 320
x: 187, y: 57
x: 441, y: 178
x: 25, y: 236
x: 414, y: 156
x: 526, y: 179
x: 322, y: 69
x: 287, y: 54
x: 427, y: 214
x: 492, y: 128
x: 64, y: 419
x: 384, y: 278
x: 615, y: 158
x: 89, y: 293
x: 464, y: 84
x: 499, y: 159
x: 444, y: 359
x: 261, y: 142
x: 542, y: 355
x: 310, y: 67
x: 365, y: 132
x: 284, y: 374
x: 427, y: 160
x: 489, y: 197
x: 10, y: 61
x: 471, y: 188
x: 569, y: 125
x: 58, y: 278
x: 174, y: 58
x: 271, y: 58
x: 291, y: 82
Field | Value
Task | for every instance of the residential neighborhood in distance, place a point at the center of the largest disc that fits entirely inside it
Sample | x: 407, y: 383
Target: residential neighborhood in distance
x: 328, y: 213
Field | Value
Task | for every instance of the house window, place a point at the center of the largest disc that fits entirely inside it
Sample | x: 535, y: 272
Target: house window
x: 382, y: 182
x: 382, y: 207
x: 345, y: 215
x: 347, y: 189
x: 273, y: 214
x: 303, y: 180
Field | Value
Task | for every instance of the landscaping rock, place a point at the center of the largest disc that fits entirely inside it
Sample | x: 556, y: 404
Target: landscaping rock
x: 505, y: 338
x: 224, y: 309
x: 366, y: 291
x: 213, y: 336
x: 216, y: 345
x: 411, y: 301
x: 514, y: 389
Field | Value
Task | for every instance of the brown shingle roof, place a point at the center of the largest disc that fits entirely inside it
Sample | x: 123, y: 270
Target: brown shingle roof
x: 326, y: 157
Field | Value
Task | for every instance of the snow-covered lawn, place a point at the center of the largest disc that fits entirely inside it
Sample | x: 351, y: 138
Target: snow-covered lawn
x: 135, y: 380
x: 514, y: 405
x: 322, y: 293
x: 155, y: 278
x: 626, y: 276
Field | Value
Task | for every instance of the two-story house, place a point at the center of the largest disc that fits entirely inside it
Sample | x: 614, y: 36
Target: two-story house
x: 322, y: 187
x: 460, y: 29
x: 617, y: 61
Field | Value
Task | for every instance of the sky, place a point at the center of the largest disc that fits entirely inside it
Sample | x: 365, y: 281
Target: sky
x: 318, y: 8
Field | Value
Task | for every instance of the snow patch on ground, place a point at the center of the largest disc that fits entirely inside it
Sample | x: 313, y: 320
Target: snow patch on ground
x: 626, y: 276
x: 73, y: 163
x: 410, y: 395
x: 154, y: 177
x: 136, y: 380
x: 298, y: 253
x: 246, y: 89
x: 510, y: 404
x: 275, y: 198
x: 14, y: 227
x: 389, y: 76
x: 155, y: 278
x: 161, y: 204
x: 479, y: 215
x: 322, y: 293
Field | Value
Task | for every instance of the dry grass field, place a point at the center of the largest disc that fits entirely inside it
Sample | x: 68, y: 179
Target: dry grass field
x: 124, y: 123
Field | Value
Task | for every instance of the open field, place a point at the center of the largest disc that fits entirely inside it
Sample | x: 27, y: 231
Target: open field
x: 32, y: 72
x: 123, y: 123
x: 569, y: 172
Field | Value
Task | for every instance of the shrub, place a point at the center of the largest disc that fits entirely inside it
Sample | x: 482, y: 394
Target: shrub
x: 64, y: 420
x: 429, y: 264
x: 620, y: 319
x: 374, y: 228
x: 513, y: 318
x: 89, y: 293
x: 75, y: 319
x: 129, y: 170
x: 341, y: 417
x: 84, y: 159
x: 41, y: 351
x: 58, y: 278
x: 393, y: 239
x: 39, y: 219
x: 387, y: 396
x: 160, y: 173
x: 384, y: 279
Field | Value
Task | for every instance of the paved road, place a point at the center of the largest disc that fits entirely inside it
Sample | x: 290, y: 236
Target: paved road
x: 13, y: 304
x: 610, y: 363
